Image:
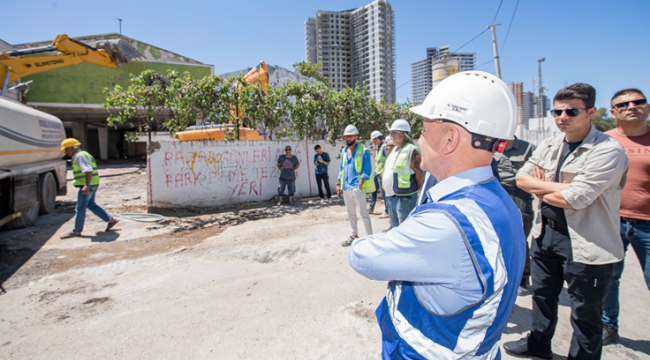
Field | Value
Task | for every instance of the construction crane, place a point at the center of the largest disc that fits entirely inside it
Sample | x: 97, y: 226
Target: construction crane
x: 63, y: 51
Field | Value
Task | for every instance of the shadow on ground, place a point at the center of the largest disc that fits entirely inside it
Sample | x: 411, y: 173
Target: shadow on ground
x: 18, y: 246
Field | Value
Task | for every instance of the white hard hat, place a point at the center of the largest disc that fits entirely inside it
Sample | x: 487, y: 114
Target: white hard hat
x: 400, y: 125
x: 478, y: 101
x: 375, y: 134
x: 351, y: 130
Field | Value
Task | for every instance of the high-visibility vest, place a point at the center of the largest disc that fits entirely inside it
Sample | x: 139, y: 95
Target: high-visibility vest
x: 380, y: 159
x: 368, y: 185
x: 79, y: 176
x: 404, y: 183
x: 412, y: 324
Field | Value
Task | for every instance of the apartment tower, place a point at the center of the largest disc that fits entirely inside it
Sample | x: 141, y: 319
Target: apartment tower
x: 422, y: 74
x: 355, y: 46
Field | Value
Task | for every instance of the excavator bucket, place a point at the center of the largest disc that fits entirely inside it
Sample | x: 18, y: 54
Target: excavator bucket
x: 120, y: 50
x: 259, y: 73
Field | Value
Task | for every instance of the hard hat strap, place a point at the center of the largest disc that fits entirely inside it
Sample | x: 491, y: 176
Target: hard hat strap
x: 482, y: 142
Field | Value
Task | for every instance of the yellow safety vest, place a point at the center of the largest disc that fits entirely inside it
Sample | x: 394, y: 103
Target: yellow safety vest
x: 79, y: 176
x: 380, y: 159
x: 368, y: 185
x: 404, y: 183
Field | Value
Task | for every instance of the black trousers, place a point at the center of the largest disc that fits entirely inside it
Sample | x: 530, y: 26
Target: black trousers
x: 320, y: 178
x: 552, y: 264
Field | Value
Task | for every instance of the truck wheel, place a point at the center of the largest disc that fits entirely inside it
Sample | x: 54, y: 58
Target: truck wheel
x: 28, y: 218
x: 48, y: 193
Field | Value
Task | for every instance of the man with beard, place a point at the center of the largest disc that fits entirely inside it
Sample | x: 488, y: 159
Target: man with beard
x: 355, y: 182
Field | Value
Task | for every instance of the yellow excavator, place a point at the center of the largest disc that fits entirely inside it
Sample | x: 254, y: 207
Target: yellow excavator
x: 216, y: 132
x: 15, y: 64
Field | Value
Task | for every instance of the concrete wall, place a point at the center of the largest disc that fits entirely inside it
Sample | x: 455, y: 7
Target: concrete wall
x: 211, y: 173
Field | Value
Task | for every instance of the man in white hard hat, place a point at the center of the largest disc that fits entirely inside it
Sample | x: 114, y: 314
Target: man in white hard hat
x: 455, y: 263
x: 377, y: 138
x: 355, y: 182
x: 402, y: 177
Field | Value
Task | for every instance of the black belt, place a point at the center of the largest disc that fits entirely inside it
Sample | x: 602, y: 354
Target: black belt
x: 554, y: 224
x: 634, y: 220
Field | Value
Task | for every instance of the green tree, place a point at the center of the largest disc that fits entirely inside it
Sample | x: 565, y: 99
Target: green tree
x: 311, y: 70
x: 602, y: 121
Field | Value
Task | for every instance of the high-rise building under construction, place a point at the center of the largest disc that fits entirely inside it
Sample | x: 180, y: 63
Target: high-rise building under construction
x: 422, y: 73
x: 355, y: 46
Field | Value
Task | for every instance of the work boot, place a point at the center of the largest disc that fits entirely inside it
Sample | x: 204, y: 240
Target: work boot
x: 520, y: 349
x: 610, y: 334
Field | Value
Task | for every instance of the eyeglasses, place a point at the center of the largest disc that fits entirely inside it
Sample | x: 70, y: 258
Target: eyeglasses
x: 624, y: 105
x: 571, y: 112
x: 287, y: 149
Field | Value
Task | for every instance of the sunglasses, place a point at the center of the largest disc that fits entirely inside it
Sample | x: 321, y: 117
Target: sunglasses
x: 287, y: 149
x: 624, y: 105
x: 571, y: 112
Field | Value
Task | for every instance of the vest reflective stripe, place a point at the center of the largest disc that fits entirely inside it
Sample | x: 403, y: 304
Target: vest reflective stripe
x: 403, y: 176
x: 380, y: 159
x: 492, y: 237
x: 79, y: 176
x: 368, y: 186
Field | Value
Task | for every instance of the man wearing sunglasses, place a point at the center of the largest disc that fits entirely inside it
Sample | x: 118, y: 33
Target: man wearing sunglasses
x: 577, y: 177
x: 630, y: 109
x: 454, y: 265
x: 287, y: 164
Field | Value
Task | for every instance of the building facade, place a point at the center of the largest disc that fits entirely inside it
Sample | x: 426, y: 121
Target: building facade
x: 75, y: 94
x: 355, y: 46
x: 422, y: 74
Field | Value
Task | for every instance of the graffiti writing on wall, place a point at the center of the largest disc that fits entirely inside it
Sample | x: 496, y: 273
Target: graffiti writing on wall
x: 242, y: 171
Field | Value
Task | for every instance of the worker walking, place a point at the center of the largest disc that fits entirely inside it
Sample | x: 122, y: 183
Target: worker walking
x: 380, y: 159
x: 454, y: 265
x: 402, y: 175
x: 354, y: 181
x: 86, y: 178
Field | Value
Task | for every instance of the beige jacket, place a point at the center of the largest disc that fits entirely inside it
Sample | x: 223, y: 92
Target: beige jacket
x: 596, y: 171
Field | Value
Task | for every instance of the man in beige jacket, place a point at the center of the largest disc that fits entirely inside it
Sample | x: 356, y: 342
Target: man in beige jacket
x: 577, y: 177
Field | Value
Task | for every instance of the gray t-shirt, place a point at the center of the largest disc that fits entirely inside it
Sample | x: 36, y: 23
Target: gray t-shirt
x: 287, y: 167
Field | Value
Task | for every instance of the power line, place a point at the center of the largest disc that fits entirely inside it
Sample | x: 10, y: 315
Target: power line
x: 475, y: 37
x: 495, y: 15
x: 509, y: 26
x: 485, y: 63
x: 484, y: 31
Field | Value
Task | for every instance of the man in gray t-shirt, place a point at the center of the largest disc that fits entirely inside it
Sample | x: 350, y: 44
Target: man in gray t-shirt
x: 287, y: 164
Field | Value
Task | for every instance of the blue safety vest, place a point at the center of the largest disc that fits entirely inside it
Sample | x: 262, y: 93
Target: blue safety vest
x: 493, y: 233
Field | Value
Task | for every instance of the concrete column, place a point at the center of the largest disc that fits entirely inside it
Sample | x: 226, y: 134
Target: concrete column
x: 80, y: 131
x: 103, y: 142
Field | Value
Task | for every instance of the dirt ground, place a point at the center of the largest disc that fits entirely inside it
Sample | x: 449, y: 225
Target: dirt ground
x: 254, y: 281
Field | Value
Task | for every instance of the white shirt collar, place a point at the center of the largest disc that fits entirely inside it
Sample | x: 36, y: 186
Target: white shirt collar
x: 459, y: 181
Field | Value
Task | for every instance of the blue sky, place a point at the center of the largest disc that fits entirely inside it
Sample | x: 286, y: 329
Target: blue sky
x: 603, y: 43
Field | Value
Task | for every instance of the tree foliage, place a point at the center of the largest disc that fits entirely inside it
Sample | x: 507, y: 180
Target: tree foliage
x: 174, y: 101
x: 602, y: 121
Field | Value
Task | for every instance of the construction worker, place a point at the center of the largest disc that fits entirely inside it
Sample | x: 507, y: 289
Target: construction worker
x: 354, y: 181
x: 380, y: 158
x: 454, y: 265
x: 402, y: 175
x: 86, y: 178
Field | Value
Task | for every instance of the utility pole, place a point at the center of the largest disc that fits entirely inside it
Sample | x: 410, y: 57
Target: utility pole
x: 540, y: 92
x: 120, y: 20
x: 496, y: 51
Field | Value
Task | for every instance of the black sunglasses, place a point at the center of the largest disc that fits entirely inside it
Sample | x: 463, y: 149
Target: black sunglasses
x: 623, y: 106
x: 287, y: 149
x: 570, y: 112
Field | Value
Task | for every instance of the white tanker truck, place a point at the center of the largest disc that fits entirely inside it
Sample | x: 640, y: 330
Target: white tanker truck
x: 32, y: 172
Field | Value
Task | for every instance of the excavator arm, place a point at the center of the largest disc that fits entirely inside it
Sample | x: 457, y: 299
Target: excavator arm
x: 23, y: 62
